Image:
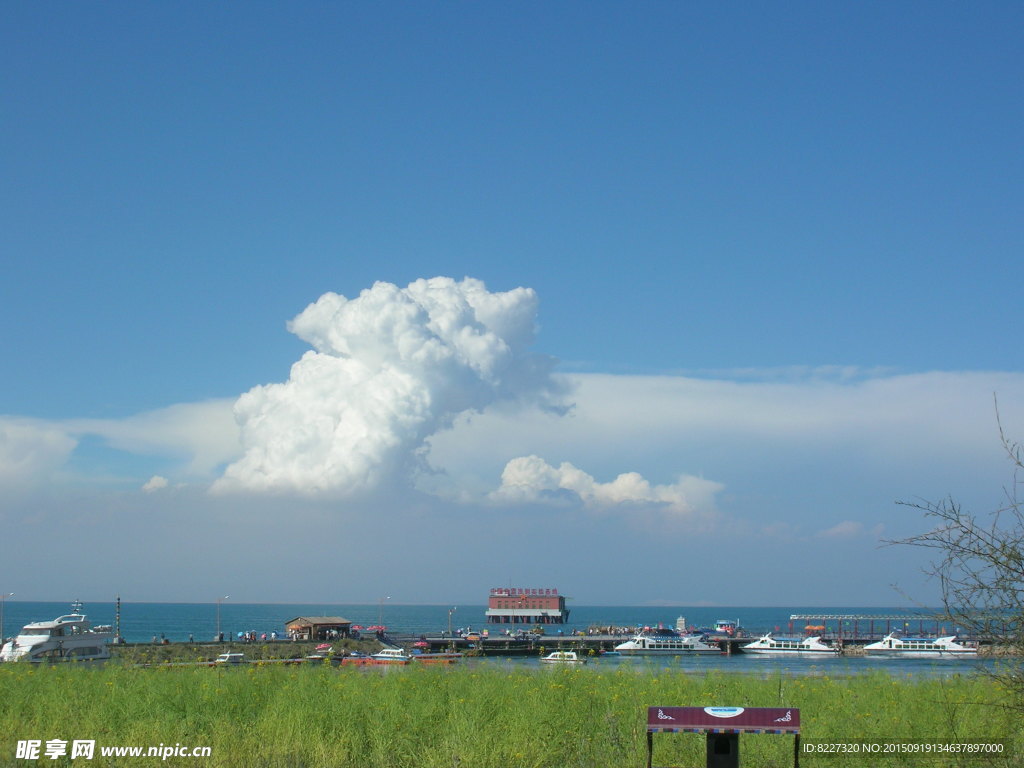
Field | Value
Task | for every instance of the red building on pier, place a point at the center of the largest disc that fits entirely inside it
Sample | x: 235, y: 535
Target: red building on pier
x: 514, y: 605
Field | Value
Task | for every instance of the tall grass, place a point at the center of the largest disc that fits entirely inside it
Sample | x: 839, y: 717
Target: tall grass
x: 484, y: 716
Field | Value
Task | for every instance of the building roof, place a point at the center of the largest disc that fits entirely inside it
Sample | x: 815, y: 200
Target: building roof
x: 316, y: 620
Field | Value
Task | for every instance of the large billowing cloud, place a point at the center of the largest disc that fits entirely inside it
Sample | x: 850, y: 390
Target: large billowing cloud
x: 531, y: 479
x: 389, y: 369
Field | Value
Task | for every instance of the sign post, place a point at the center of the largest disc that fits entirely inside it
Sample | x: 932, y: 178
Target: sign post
x: 722, y: 727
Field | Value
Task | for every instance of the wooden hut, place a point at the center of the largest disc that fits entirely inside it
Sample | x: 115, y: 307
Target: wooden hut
x: 319, y: 628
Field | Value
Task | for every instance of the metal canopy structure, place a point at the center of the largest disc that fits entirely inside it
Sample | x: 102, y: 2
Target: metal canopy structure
x: 848, y: 626
x: 864, y: 616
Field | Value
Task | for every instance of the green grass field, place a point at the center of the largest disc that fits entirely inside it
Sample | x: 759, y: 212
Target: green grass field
x: 481, y: 716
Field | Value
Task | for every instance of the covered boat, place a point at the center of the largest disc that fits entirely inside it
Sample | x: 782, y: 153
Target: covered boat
x: 666, y: 642
x: 895, y: 645
x: 795, y: 646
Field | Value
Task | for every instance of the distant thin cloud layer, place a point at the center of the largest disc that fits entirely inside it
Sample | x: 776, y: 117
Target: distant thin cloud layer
x: 30, y: 450
x: 388, y: 370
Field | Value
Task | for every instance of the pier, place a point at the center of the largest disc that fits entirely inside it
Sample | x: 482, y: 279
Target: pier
x: 863, y: 628
x: 502, y: 645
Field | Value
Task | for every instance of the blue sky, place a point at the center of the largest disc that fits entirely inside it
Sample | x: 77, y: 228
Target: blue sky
x: 775, y: 251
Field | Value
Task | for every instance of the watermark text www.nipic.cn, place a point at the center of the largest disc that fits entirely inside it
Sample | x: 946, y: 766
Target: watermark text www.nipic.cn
x: 85, y: 749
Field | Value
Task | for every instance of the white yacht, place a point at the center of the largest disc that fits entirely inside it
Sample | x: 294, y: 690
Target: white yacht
x: 795, y: 646
x: 65, y: 639
x: 895, y: 645
x: 667, y: 643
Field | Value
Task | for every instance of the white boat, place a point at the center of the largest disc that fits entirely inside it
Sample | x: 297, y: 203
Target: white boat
x: 391, y: 656
x: 897, y: 646
x: 230, y: 658
x: 69, y: 638
x: 666, y: 643
x: 563, y: 657
x: 795, y: 646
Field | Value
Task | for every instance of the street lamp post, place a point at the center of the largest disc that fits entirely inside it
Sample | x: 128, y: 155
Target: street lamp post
x: 219, y: 600
x: 380, y: 611
x: 451, y: 637
x: 3, y: 599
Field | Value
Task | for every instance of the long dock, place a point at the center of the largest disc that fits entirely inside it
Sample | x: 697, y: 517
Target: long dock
x: 501, y: 645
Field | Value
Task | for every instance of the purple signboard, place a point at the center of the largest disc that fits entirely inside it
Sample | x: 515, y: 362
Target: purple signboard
x: 723, y: 719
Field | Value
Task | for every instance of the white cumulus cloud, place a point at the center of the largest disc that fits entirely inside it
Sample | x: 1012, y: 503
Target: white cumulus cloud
x: 155, y: 483
x: 388, y: 369
x: 531, y: 479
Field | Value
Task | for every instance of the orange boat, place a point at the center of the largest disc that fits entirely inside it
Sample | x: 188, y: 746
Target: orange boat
x: 370, y: 661
x: 436, y: 658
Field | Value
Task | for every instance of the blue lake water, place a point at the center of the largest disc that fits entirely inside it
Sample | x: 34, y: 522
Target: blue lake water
x: 140, y: 622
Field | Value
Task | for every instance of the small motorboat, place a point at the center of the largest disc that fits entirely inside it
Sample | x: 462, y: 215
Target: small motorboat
x: 391, y: 656
x: 563, y: 657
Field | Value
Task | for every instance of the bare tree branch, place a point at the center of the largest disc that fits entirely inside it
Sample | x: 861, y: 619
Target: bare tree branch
x: 979, y: 565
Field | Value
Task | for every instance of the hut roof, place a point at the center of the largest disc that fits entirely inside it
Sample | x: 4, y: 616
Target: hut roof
x: 317, y: 620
